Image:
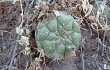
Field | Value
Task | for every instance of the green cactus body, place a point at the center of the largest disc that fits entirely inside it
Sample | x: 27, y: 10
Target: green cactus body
x: 58, y: 36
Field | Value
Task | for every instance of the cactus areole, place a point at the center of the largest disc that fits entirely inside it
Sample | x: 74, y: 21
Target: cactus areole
x: 58, y: 36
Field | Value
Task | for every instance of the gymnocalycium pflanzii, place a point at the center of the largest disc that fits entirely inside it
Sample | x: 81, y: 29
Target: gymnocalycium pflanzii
x: 58, y: 36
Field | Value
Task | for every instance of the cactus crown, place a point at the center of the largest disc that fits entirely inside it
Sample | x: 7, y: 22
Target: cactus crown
x: 57, y: 36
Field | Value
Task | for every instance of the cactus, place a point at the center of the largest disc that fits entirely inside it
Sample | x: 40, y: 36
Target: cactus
x: 58, y: 36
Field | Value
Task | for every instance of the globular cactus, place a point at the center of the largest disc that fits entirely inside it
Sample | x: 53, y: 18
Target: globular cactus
x: 58, y: 36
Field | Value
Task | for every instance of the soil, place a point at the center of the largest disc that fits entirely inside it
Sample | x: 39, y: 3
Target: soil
x: 91, y: 54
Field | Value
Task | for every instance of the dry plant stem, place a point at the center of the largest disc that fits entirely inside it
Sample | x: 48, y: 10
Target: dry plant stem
x: 13, y: 56
x: 104, y: 31
x: 103, y: 43
x: 21, y: 13
x: 26, y: 7
x: 104, y: 38
x: 82, y: 56
x: 31, y: 3
x: 26, y: 66
x: 27, y: 10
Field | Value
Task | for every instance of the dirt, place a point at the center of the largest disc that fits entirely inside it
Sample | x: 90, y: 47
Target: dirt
x: 9, y: 15
x: 8, y: 22
x: 91, y: 54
